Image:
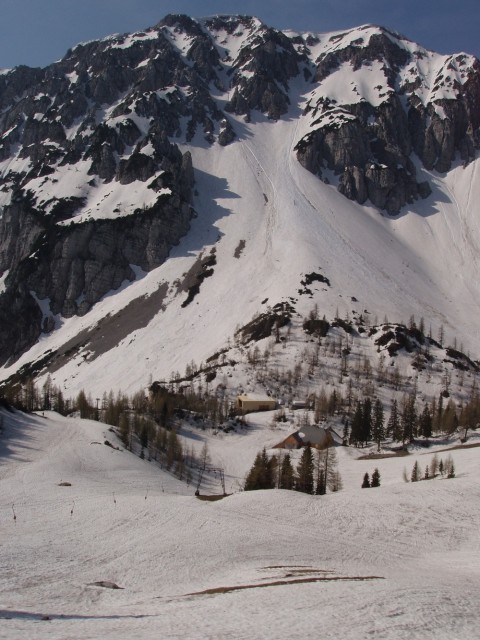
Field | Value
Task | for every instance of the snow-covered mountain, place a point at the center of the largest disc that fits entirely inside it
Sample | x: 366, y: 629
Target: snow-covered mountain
x: 161, y: 189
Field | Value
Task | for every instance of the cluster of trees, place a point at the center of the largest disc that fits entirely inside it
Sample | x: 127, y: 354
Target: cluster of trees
x: 160, y: 403
x: 437, y: 467
x: 373, y: 482
x: 314, y: 473
x: 26, y: 396
x: 408, y: 421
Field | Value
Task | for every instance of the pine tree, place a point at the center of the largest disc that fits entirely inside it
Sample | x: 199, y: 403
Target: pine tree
x: 321, y: 487
x: 82, y: 405
x: 425, y: 422
x: 375, y: 478
x: 287, y: 475
x: 366, y: 481
x: 378, y: 427
x: 449, y: 467
x: 261, y: 474
x: 441, y: 468
x: 427, y: 473
x: 415, y: 477
x: 252, y: 481
x: 393, y: 427
x: 304, y: 481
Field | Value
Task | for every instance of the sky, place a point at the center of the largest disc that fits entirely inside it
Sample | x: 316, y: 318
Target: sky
x: 38, y: 32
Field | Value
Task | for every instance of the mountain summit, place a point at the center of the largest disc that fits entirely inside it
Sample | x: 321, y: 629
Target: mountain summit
x: 160, y: 189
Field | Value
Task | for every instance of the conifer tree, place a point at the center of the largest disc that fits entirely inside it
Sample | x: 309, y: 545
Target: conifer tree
x: 82, y: 405
x: 252, y: 481
x: 415, y: 477
x: 378, y: 427
x: 441, y: 468
x: 449, y: 467
x: 425, y: 422
x: 287, y: 475
x: 260, y: 475
x: 375, y: 478
x: 321, y: 486
x: 304, y: 481
x: 366, y: 481
x: 393, y: 427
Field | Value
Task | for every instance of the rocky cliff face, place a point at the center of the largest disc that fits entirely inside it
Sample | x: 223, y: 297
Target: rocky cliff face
x: 379, y: 100
x: 96, y: 178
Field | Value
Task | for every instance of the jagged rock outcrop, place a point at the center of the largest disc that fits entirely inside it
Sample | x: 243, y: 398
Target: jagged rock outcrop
x: 368, y: 140
x: 72, y: 267
x: 261, y: 72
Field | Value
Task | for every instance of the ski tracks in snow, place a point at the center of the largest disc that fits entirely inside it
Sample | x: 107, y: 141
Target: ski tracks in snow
x: 467, y: 237
x: 265, y: 183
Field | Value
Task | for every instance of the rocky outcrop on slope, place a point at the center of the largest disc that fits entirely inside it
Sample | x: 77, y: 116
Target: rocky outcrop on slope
x: 366, y: 134
x: 69, y: 268
x: 260, y: 74
x: 105, y: 114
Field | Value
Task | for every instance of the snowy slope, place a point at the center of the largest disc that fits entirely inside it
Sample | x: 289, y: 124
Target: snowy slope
x: 400, y: 561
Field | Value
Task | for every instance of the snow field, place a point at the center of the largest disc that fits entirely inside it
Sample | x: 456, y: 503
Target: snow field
x: 142, y: 529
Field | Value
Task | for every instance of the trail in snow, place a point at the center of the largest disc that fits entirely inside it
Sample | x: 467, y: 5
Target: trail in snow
x: 270, y: 204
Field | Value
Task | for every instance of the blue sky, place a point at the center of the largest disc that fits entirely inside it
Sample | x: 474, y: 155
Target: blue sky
x: 38, y: 32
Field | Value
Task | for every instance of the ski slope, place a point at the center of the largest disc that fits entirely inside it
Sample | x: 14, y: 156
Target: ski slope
x: 397, y: 562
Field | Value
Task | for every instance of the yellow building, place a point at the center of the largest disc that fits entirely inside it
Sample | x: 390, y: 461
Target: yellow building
x: 255, y: 402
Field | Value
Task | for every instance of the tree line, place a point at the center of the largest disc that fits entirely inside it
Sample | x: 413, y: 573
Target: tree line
x: 316, y: 471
